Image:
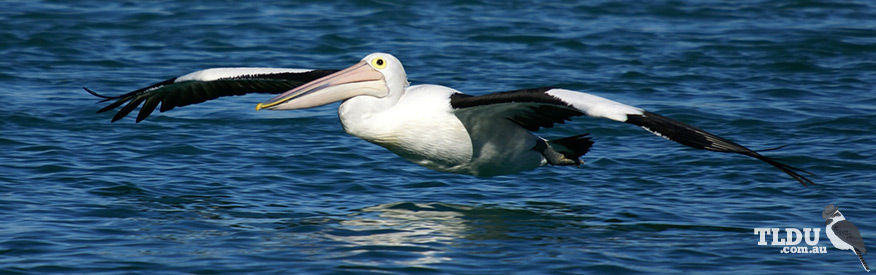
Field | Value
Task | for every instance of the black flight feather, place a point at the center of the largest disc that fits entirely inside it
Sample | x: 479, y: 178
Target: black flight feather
x: 173, y: 94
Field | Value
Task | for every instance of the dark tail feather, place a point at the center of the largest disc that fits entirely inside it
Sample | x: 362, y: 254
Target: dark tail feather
x: 567, y: 150
x: 577, y: 146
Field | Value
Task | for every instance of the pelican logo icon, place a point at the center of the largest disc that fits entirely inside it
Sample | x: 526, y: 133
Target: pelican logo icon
x: 843, y: 234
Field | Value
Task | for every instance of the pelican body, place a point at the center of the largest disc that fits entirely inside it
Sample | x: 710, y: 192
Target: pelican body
x: 436, y: 126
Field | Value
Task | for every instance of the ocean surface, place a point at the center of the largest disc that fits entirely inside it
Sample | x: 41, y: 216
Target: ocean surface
x: 220, y: 188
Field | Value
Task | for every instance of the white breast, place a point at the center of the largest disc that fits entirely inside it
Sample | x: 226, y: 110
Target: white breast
x: 420, y: 127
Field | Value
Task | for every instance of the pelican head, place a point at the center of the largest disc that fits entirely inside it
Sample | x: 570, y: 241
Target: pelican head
x: 378, y: 75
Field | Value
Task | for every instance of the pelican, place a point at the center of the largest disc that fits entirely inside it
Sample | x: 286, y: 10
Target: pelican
x: 431, y: 125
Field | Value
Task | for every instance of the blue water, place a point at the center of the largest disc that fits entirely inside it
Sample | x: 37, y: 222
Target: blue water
x: 218, y: 187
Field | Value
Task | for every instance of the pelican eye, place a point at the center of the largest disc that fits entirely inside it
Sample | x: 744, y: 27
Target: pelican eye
x: 378, y: 63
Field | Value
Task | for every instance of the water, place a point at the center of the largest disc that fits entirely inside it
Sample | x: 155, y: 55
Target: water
x: 218, y: 187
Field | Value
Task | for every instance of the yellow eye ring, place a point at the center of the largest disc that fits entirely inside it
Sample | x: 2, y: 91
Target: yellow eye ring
x: 378, y: 63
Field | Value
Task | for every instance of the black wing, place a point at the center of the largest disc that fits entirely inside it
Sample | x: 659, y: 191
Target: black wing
x: 205, y: 85
x: 543, y: 107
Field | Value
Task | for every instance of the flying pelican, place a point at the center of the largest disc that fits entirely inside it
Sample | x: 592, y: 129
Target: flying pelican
x: 434, y: 126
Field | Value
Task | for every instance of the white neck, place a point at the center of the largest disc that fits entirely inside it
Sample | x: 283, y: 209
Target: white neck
x: 356, y: 112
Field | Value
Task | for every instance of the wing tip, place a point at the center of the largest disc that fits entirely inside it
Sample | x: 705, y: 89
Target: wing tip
x: 95, y: 93
x: 105, y: 97
x: 788, y: 169
x: 700, y: 139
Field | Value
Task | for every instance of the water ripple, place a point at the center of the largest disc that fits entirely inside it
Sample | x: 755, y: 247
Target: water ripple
x: 219, y: 187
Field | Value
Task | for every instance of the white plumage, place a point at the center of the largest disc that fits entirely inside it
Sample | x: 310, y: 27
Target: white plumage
x: 220, y: 73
